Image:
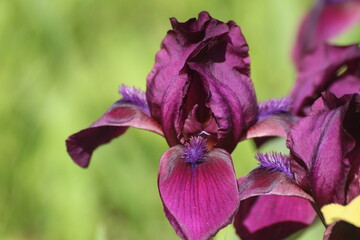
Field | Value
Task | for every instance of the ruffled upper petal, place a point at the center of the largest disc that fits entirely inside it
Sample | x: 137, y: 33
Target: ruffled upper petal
x: 176, y: 48
x: 224, y: 60
x: 199, y: 191
x: 113, y: 123
x: 213, y: 76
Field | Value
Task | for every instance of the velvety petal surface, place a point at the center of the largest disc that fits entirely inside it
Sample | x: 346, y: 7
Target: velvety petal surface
x: 199, y: 198
x: 327, y: 19
x: 272, y: 206
x: 272, y: 217
x: 262, y: 181
x: 175, y: 49
x: 178, y: 44
x: 320, y: 144
x: 328, y: 67
x: 224, y: 61
x: 277, y: 125
x: 215, y: 77
x: 112, y: 124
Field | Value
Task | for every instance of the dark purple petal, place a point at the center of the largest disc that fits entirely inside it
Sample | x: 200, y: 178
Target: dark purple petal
x: 348, y: 85
x: 225, y: 60
x: 328, y: 67
x: 350, y: 125
x: 203, y: 69
x: 272, y: 206
x: 327, y: 19
x: 320, y: 144
x: 342, y: 231
x: 113, y: 123
x: 272, y: 217
x: 176, y: 48
x: 225, y: 66
x: 262, y: 181
x: 274, y: 125
x: 276, y: 162
x: 200, y: 196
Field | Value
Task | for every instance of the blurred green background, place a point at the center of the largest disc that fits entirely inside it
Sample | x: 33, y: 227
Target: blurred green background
x: 61, y: 63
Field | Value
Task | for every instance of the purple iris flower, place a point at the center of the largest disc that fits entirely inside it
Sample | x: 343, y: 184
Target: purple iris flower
x: 327, y: 19
x: 323, y: 167
x: 201, y: 99
x: 322, y: 66
x: 327, y: 68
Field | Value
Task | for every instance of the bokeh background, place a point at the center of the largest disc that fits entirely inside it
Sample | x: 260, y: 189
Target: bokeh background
x: 61, y: 63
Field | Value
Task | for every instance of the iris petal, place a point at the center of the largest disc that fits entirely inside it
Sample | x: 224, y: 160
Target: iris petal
x: 327, y: 19
x: 320, y: 144
x: 199, y: 198
x: 319, y: 71
x: 203, y: 62
x: 272, y: 217
x: 112, y: 124
x: 272, y: 206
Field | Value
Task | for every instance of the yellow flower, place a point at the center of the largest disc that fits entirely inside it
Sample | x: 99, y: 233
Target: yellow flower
x: 349, y: 213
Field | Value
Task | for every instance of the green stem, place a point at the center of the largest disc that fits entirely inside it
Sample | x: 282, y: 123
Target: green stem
x: 317, y: 210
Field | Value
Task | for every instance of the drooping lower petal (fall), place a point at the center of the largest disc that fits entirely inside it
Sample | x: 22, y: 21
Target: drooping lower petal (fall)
x: 272, y: 217
x: 113, y: 123
x: 199, y: 190
x: 272, y: 205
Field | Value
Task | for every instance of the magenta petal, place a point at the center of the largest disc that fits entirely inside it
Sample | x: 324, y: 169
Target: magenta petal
x: 272, y: 206
x: 320, y: 71
x: 347, y: 85
x: 176, y: 48
x: 321, y: 144
x: 112, y: 124
x: 273, y: 125
x: 262, y: 181
x: 326, y: 20
x: 272, y: 217
x: 205, y: 63
x: 225, y: 61
x: 199, y: 198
